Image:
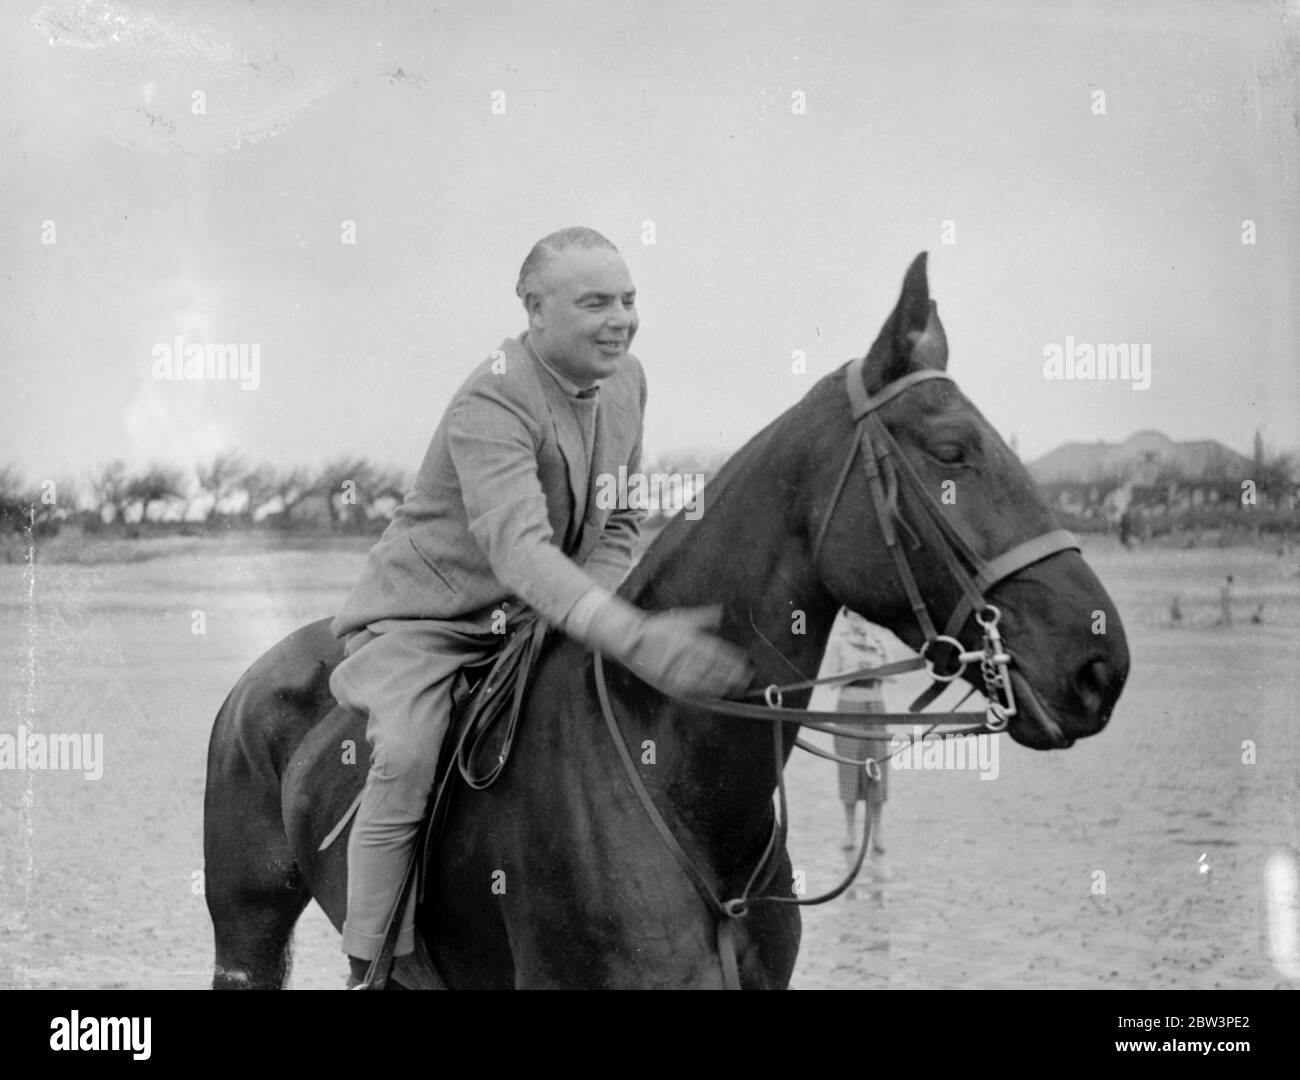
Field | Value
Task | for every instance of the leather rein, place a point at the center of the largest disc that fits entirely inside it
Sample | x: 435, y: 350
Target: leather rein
x: 942, y: 656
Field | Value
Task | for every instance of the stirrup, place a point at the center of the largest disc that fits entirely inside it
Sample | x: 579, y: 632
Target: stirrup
x: 374, y: 974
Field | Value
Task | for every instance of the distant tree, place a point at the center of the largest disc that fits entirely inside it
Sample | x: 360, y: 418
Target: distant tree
x: 345, y: 482
x: 290, y: 485
x: 157, y: 484
x: 1276, y: 477
x: 110, y: 486
x: 67, y: 493
x: 39, y: 507
x: 14, y: 499
x: 221, y: 477
x: 258, y: 485
x: 386, y: 482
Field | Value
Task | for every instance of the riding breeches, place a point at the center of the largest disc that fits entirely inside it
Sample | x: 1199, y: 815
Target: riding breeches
x: 400, y: 672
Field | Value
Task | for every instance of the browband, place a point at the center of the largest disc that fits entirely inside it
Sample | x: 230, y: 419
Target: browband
x: 863, y: 403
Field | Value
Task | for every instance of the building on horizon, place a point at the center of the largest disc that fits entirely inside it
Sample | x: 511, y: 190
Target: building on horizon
x: 1147, y: 471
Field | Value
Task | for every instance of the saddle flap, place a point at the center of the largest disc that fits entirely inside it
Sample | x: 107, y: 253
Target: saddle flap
x: 485, y: 695
x: 493, y: 692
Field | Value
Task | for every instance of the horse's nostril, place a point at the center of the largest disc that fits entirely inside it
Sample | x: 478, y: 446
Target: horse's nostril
x: 1097, y: 685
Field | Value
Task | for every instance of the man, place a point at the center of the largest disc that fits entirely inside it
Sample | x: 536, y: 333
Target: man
x: 1225, y: 602
x: 503, y: 517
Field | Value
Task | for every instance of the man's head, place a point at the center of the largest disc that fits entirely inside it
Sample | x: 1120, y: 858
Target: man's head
x: 580, y: 302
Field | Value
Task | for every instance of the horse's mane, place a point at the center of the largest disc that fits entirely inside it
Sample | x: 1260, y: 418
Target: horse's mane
x: 773, y: 444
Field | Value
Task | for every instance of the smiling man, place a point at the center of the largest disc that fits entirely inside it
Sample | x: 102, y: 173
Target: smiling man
x: 504, y: 519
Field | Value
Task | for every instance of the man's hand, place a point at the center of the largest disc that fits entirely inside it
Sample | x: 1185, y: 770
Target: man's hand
x: 671, y: 650
x: 675, y: 651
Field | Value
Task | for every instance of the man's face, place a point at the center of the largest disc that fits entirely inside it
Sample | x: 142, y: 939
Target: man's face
x: 584, y: 321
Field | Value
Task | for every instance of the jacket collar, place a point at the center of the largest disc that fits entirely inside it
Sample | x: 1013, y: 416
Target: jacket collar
x: 612, y: 418
x: 568, y: 385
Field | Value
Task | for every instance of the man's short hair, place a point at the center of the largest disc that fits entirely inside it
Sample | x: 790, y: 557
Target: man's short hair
x: 547, y: 248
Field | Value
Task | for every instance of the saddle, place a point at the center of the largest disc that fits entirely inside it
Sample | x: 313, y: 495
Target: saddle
x: 487, y: 703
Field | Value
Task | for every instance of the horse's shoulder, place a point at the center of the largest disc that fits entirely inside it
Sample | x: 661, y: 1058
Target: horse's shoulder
x: 558, y: 672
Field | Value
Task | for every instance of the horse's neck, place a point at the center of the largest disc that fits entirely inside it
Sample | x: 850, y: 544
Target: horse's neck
x: 748, y: 553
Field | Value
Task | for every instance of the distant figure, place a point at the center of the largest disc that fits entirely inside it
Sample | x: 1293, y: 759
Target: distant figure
x: 1258, y: 616
x: 1225, y: 602
x: 1126, y: 528
x: 1176, y: 613
x: 854, y: 649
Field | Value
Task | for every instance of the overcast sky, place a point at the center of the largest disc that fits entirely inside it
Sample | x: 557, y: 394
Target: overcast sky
x: 198, y: 161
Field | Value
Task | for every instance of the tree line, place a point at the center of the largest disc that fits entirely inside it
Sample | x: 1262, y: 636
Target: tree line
x: 230, y: 491
x: 227, y: 490
x: 352, y: 494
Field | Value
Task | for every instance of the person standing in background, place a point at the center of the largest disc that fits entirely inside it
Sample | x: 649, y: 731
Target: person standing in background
x: 1225, y: 602
x: 850, y: 650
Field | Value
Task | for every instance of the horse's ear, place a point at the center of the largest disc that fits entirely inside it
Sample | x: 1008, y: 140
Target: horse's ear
x: 912, y: 336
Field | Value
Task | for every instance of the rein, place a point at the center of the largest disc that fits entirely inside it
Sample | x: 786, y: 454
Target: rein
x: 942, y: 656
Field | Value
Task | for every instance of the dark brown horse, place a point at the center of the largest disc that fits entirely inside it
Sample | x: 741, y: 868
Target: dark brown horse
x: 555, y: 875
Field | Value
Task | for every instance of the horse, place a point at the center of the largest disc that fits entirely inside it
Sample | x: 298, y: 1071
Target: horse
x: 557, y: 876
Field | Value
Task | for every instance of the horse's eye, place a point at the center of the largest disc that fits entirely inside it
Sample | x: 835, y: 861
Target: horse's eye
x: 949, y: 453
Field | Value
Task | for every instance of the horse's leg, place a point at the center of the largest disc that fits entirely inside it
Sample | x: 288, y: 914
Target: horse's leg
x: 254, y: 899
x: 252, y: 884
x: 254, y: 888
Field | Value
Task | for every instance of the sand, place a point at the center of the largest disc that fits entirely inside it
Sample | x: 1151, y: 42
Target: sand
x: 985, y: 883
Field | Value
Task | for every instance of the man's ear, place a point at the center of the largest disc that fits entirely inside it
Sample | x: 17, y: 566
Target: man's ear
x: 533, y: 305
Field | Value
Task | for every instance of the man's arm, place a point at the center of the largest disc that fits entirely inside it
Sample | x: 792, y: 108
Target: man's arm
x: 493, y: 447
x: 610, y: 559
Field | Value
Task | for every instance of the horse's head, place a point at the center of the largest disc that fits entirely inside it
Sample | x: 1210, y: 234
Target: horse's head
x: 949, y: 482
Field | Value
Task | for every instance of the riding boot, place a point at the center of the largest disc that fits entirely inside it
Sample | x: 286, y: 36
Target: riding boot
x: 357, y: 971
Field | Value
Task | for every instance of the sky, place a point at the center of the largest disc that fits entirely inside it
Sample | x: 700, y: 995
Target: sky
x: 1076, y: 171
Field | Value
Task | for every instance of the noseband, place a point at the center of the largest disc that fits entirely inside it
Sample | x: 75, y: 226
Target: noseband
x: 944, y: 657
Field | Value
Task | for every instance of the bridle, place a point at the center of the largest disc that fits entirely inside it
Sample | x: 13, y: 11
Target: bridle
x: 885, y: 461
x: 942, y: 654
